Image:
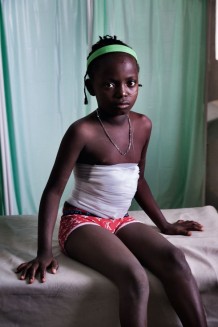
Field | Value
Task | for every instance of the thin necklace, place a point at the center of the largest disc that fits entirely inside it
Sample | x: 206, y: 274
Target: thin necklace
x: 111, y: 140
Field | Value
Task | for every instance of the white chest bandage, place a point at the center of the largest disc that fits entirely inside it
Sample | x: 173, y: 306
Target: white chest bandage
x: 106, y: 191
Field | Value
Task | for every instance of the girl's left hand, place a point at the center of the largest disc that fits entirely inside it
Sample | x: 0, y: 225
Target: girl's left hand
x: 182, y: 227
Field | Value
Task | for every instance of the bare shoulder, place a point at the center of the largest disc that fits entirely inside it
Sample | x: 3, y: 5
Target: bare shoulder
x: 141, y: 122
x: 81, y: 129
x: 74, y: 142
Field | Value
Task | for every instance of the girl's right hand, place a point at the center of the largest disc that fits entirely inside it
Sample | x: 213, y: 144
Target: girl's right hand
x: 38, y: 266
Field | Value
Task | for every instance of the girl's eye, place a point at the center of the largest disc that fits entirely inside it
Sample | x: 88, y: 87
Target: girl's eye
x: 109, y: 85
x: 131, y: 83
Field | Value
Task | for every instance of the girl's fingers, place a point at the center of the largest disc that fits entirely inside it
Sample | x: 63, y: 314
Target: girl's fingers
x: 190, y: 225
x: 43, y: 275
x: 21, y: 267
x: 29, y: 270
x: 32, y: 273
x: 24, y: 274
x: 54, y: 266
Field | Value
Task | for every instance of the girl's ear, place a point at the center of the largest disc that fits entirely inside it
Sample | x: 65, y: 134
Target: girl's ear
x: 89, y: 86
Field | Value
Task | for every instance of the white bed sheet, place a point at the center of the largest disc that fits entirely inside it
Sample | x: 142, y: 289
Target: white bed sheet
x: 78, y: 296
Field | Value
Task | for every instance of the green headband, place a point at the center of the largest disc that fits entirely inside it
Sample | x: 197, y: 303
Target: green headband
x: 111, y: 48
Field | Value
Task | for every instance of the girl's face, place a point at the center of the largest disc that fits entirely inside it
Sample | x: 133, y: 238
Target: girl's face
x: 115, y: 83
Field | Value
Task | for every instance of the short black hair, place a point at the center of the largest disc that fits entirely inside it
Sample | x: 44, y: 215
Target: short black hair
x: 105, y: 40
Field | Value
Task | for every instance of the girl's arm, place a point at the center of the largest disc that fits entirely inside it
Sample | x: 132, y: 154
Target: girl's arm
x: 147, y: 202
x: 70, y: 148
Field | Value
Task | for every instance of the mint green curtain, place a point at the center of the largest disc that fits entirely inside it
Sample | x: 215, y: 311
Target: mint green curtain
x: 44, y: 57
x: 44, y: 53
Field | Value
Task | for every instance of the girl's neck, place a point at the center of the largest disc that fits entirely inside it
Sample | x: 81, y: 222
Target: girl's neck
x: 115, y: 119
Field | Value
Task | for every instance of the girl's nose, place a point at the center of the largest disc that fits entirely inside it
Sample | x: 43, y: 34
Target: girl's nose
x: 121, y: 91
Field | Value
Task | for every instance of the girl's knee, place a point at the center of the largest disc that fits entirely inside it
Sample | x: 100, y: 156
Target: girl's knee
x: 135, y: 281
x: 175, y: 261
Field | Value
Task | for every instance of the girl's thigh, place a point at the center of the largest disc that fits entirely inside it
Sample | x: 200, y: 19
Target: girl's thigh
x: 105, y: 252
x: 151, y: 248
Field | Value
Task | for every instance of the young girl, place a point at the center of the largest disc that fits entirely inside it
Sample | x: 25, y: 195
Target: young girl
x: 107, y: 151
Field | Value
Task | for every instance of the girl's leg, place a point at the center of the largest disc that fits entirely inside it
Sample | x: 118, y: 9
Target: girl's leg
x: 169, y: 264
x: 106, y: 253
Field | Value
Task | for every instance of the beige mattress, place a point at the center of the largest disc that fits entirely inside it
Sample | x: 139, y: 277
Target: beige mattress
x: 78, y: 296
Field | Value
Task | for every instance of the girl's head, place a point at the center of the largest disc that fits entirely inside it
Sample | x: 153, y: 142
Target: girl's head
x: 106, y: 44
x: 112, y: 70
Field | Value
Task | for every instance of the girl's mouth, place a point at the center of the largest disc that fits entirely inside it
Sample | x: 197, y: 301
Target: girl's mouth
x: 122, y: 104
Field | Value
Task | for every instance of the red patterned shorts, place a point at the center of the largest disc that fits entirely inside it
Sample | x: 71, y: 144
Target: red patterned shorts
x: 74, y: 217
